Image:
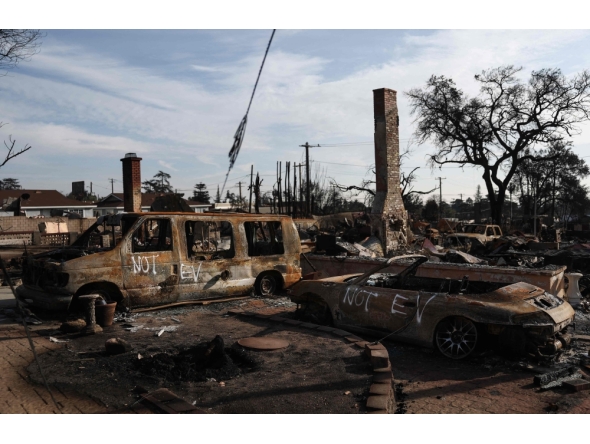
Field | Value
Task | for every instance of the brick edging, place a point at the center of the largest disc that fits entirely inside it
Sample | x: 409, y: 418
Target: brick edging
x: 381, y: 395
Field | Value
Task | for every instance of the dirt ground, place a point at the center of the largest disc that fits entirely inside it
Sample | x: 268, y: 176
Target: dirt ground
x: 316, y: 373
x: 427, y: 382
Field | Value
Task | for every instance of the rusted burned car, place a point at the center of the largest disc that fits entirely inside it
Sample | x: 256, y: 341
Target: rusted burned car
x: 474, y: 234
x: 451, y: 315
x: 146, y: 259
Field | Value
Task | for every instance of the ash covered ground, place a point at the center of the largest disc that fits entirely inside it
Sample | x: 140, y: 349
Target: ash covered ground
x: 316, y: 373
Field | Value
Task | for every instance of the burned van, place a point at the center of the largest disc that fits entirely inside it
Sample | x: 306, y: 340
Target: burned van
x: 150, y: 259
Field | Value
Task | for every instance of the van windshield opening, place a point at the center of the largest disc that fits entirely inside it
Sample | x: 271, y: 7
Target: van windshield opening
x: 106, y: 233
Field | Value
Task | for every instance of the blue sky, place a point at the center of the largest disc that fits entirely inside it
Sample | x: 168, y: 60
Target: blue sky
x: 176, y: 98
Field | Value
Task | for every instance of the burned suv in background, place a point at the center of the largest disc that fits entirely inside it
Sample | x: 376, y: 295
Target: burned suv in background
x: 473, y: 235
x: 149, y: 259
x: 451, y: 315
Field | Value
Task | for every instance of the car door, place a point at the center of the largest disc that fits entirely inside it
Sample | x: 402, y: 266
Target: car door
x: 212, y: 263
x: 150, y: 262
x: 373, y: 307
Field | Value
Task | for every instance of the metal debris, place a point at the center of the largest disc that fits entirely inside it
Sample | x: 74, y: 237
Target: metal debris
x: 557, y: 377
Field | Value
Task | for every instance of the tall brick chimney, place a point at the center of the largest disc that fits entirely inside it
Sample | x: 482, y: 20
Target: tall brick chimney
x: 389, y: 215
x: 131, y: 183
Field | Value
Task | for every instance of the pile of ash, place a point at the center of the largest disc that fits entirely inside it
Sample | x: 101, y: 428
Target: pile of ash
x: 201, y: 362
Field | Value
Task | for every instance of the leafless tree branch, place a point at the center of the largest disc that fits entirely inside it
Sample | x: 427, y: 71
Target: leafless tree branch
x: 17, y: 45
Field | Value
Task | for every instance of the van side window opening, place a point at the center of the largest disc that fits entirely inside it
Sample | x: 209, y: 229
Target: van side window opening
x: 153, y: 235
x: 264, y: 238
x: 208, y: 240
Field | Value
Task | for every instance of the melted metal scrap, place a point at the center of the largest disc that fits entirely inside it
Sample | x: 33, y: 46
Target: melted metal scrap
x: 557, y: 378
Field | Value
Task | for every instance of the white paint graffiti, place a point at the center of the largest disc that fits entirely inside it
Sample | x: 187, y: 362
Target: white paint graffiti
x: 354, y: 297
x: 395, y: 304
x: 358, y: 296
x: 142, y: 265
x: 188, y: 272
x: 419, y: 313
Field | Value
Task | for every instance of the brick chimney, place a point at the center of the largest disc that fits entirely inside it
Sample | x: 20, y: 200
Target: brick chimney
x: 131, y: 183
x: 389, y: 214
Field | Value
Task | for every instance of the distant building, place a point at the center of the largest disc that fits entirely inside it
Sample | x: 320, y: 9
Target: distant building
x: 113, y: 204
x: 45, y: 203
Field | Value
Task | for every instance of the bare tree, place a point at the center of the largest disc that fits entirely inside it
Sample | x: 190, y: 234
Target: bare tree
x: 502, y: 127
x: 407, y: 181
x: 10, y: 147
x: 17, y: 45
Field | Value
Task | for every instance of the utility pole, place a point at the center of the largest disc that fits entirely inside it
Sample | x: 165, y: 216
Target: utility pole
x: 294, y: 189
x: 307, y: 146
x: 333, y: 199
x: 288, y: 187
x: 112, y: 185
x: 440, y: 179
x: 301, y: 192
x: 91, y: 188
x: 251, y: 177
x: 280, y: 189
x: 240, y: 186
x: 535, y: 184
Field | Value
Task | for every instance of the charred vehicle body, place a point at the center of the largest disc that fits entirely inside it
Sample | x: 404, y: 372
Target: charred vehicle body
x: 474, y: 235
x: 451, y: 315
x: 146, y: 259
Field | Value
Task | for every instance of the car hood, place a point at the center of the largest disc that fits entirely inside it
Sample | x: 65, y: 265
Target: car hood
x: 515, y: 292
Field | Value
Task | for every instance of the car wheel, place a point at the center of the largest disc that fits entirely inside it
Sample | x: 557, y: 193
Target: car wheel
x: 317, y: 313
x: 267, y: 284
x: 456, y: 337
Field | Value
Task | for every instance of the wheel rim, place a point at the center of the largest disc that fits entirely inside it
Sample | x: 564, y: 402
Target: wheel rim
x: 456, y: 338
x: 267, y: 285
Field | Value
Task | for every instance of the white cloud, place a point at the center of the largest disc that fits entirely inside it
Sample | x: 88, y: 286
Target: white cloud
x: 75, y: 103
x: 167, y: 165
x: 205, y: 68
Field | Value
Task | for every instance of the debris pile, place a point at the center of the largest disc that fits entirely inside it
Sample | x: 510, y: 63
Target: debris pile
x: 202, y: 362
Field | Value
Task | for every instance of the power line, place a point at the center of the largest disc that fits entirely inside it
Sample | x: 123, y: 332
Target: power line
x: 345, y: 164
x: 241, y: 131
x: 344, y: 144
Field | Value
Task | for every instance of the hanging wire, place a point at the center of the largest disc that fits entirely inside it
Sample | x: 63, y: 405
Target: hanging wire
x: 239, y: 136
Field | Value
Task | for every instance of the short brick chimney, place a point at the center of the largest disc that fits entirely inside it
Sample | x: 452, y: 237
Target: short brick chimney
x: 131, y: 183
x: 389, y: 214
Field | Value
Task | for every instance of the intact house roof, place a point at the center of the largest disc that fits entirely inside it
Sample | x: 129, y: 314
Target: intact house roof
x: 115, y: 200
x: 42, y: 199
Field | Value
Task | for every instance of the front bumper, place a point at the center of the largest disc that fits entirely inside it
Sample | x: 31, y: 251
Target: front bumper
x: 43, y: 299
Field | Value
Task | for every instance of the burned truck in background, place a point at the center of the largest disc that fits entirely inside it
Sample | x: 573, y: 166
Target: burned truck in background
x: 150, y: 259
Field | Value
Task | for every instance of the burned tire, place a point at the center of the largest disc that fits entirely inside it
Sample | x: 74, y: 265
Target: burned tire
x: 456, y: 337
x: 267, y: 284
x: 316, y: 312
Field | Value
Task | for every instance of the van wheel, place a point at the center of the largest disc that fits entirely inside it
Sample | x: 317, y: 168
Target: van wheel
x: 267, y: 284
x: 104, y: 291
